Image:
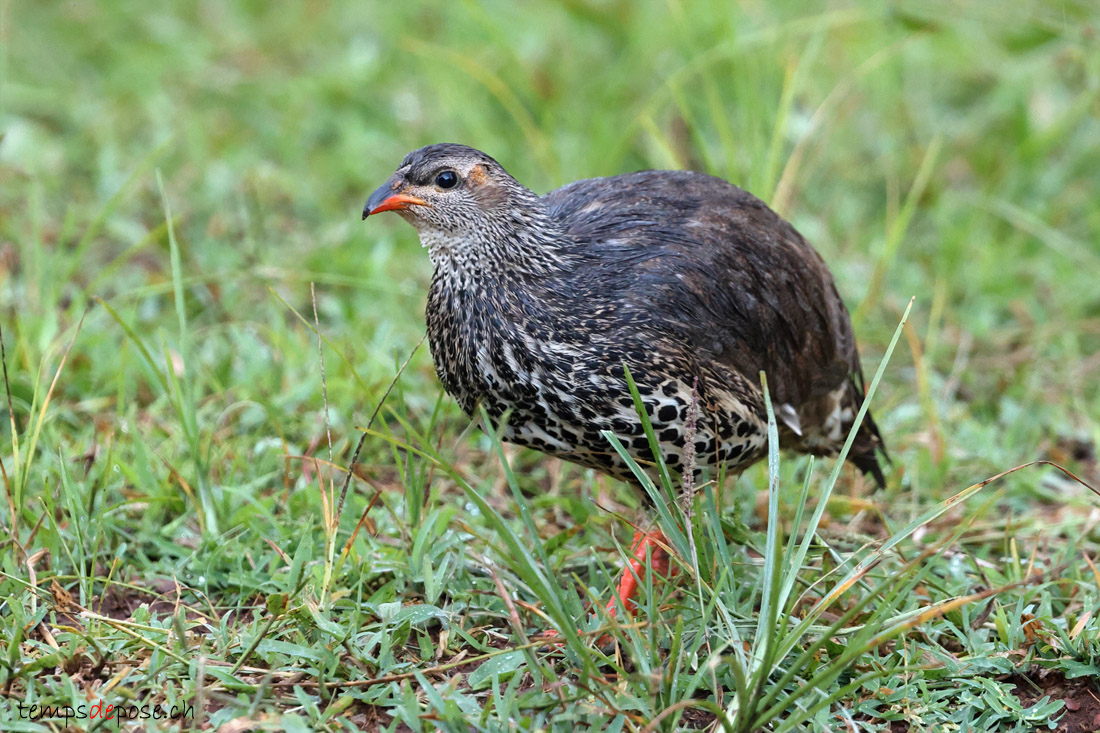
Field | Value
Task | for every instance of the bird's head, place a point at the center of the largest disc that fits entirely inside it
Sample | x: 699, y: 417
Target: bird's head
x: 465, y: 206
x: 446, y: 186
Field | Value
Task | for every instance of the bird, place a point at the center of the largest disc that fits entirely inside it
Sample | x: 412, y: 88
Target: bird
x: 543, y: 308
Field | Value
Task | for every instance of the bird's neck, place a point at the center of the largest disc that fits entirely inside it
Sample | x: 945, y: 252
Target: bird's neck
x: 519, y: 243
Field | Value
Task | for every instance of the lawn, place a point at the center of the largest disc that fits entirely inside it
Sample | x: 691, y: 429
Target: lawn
x: 198, y: 329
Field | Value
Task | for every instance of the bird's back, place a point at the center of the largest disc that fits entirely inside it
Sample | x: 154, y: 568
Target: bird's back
x: 719, y: 275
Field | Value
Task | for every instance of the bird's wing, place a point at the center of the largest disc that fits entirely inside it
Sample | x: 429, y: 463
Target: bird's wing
x: 714, y: 271
x: 727, y: 276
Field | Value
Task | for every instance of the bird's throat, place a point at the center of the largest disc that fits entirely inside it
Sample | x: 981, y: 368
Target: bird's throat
x: 496, y: 254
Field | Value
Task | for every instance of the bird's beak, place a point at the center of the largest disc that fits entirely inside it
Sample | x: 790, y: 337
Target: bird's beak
x: 388, y: 197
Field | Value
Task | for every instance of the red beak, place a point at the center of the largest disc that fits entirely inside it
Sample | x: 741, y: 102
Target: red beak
x: 385, y: 199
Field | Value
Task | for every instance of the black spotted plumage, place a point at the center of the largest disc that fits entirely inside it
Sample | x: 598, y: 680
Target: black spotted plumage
x: 536, y: 304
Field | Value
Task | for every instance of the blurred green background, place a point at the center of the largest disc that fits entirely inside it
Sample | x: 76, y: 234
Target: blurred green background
x: 269, y: 126
x: 947, y: 151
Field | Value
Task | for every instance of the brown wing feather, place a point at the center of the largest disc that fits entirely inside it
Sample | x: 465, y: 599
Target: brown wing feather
x: 734, y: 282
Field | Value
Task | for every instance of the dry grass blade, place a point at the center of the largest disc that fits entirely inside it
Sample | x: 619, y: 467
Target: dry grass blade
x: 513, y: 615
x: 14, y: 437
x: 363, y: 519
x: 370, y: 423
x: 33, y: 442
x: 7, y: 391
x: 324, y: 381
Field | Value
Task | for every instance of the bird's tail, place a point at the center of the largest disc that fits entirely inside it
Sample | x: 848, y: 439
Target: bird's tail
x: 868, y: 445
x: 866, y: 450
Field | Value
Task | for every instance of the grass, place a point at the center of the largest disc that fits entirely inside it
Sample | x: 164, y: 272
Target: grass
x: 180, y: 188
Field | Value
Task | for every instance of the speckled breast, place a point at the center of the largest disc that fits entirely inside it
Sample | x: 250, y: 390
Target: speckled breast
x: 558, y: 396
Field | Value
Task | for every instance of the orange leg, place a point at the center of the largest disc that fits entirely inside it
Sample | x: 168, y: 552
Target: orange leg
x: 651, y: 543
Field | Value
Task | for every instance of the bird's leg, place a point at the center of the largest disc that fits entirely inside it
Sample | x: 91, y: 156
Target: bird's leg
x: 651, y: 543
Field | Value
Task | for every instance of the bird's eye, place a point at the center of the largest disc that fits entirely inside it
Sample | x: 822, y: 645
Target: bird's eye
x: 446, y: 179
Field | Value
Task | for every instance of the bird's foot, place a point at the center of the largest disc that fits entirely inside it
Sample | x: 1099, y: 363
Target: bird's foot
x: 651, y: 545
